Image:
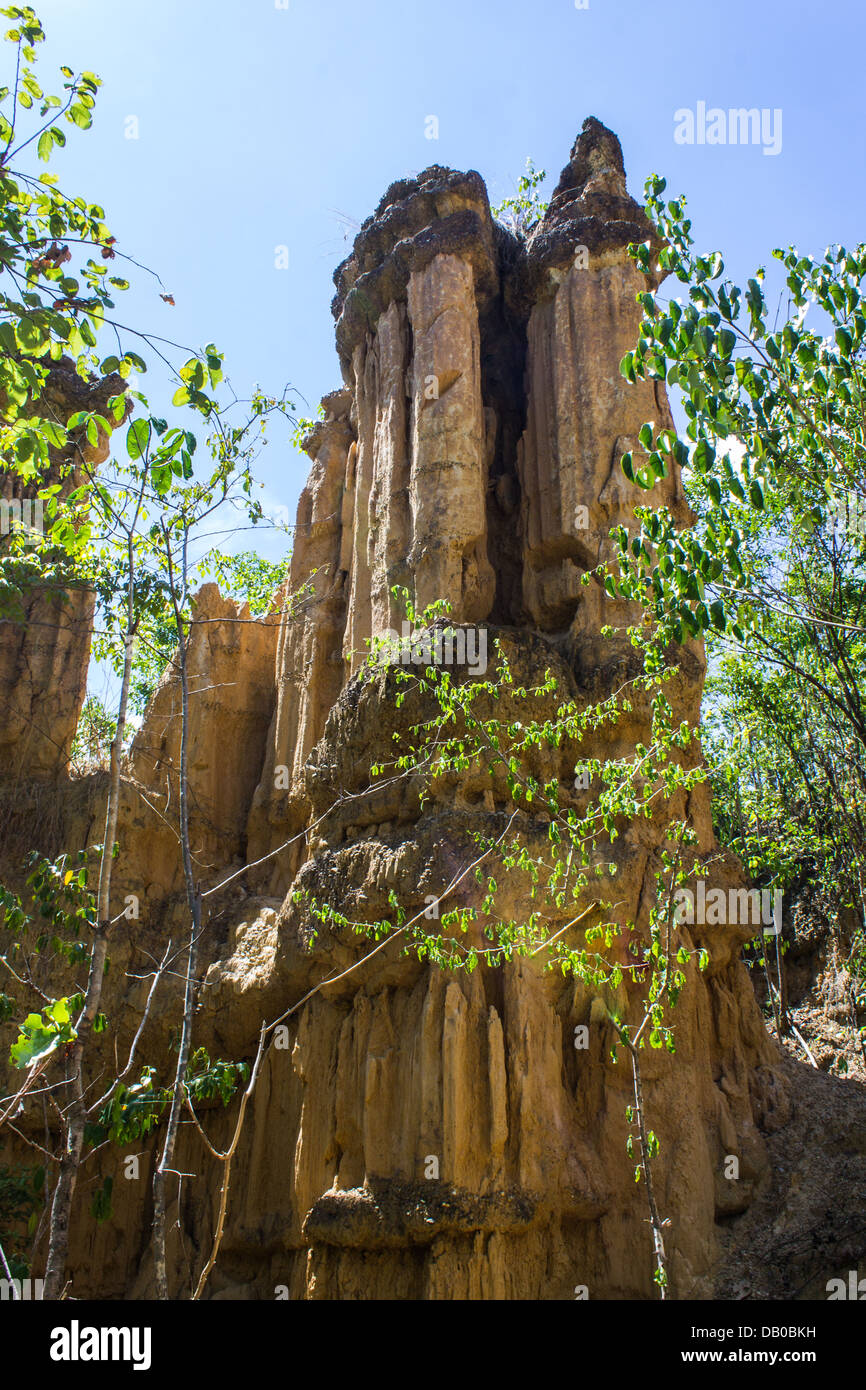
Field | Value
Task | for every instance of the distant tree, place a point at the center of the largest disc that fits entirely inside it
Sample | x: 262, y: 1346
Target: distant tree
x: 522, y: 212
x: 248, y: 577
x: 93, y: 737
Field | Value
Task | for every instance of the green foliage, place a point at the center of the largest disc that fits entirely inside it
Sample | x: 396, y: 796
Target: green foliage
x: 522, y: 212
x: 774, y: 433
x: 249, y: 577
x: 772, y: 572
x: 245, y: 576
x: 156, y: 642
x: 157, y: 489
x: 304, y: 426
x: 131, y: 533
x: 54, y: 918
x: 42, y: 1033
x: 91, y: 747
x: 46, y: 311
x: 57, y: 910
x: 131, y: 1111
x: 560, y: 848
x: 46, y: 314
x: 207, y: 1080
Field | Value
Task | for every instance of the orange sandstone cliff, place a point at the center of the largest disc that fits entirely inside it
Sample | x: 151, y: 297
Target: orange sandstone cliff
x: 472, y: 455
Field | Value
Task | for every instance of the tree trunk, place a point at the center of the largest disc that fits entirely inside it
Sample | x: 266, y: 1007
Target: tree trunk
x: 76, y: 1114
x: 193, y: 895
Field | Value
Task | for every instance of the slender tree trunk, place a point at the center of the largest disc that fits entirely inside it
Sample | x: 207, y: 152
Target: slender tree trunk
x: 76, y: 1113
x: 169, y: 1144
x: 645, y: 1164
x: 193, y: 895
x: 784, y: 1013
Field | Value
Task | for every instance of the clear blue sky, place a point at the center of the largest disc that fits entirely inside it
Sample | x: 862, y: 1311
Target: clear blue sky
x: 262, y: 126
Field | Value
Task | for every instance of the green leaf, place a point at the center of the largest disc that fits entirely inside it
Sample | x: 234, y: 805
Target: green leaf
x: 704, y: 456
x: 54, y: 433
x: 717, y: 613
x: 31, y: 334
x: 137, y: 438
x: 756, y: 495
x: 160, y: 477
x: 79, y: 115
x: 844, y: 341
x: 41, y: 1035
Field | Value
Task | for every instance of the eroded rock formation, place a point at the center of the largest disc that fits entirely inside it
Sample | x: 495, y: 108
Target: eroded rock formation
x: 44, y: 656
x: 472, y: 455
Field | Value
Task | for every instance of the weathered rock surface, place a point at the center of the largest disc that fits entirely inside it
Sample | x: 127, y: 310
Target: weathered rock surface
x: 418, y: 1134
x: 44, y: 655
x: 230, y: 662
